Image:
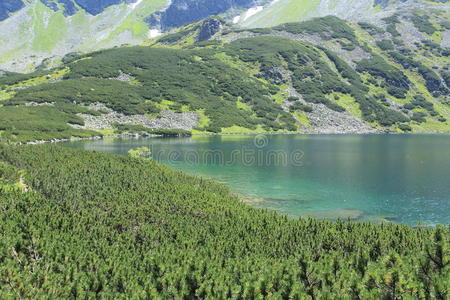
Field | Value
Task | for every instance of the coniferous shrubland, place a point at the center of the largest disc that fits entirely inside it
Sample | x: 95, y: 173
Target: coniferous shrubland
x: 94, y: 225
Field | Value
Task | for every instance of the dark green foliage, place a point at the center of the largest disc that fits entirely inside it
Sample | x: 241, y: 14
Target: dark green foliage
x: 432, y: 80
x: 329, y: 27
x: 420, y: 101
x: 396, y: 92
x: 175, y: 37
x: 399, y: 42
x: 391, y: 20
x: 103, y: 226
x: 385, y: 45
x: 378, y: 67
x: 371, y: 29
x: 422, y: 22
x: 405, y: 61
x: 419, y: 117
x: 14, y: 78
x: 392, y: 29
x: 70, y: 57
x: 312, y: 77
x: 446, y: 24
x: 299, y: 106
x: 391, y: 25
x: 405, y: 127
x: 209, y: 43
x: 139, y: 129
x: 432, y: 48
x: 446, y: 76
x: 8, y: 174
x: 373, y: 111
x: 261, y: 30
x: 24, y: 123
x: 344, y: 69
x: 117, y: 95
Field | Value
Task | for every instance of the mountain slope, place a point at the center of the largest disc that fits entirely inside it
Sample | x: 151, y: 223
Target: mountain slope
x: 37, y: 32
x: 155, y: 233
x: 282, y: 11
x: 321, y: 76
x: 40, y: 32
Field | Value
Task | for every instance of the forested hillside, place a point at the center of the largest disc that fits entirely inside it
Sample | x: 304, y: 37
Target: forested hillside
x: 76, y: 224
x: 319, y: 76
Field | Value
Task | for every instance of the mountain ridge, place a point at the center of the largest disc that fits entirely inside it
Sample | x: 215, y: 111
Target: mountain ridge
x: 325, y: 75
x: 40, y: 33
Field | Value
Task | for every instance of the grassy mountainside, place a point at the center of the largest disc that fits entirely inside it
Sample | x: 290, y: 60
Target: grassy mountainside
x: 282, y: 11
x: 39, y: 33
x: 87, y: 225
x: 37, y: 36
x: 324, y: 75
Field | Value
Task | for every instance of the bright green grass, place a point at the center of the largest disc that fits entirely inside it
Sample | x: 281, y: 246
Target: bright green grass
x: 49, y: 27
x: 282, y: 11
x: 302, y: 118
x: 281, y: 95
x: 243, y: 106
x: 240, y: 129
x: 204, y: 121
x: 349, y: 103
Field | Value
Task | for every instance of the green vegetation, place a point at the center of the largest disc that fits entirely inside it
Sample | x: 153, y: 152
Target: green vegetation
x: 397, y: 83
x: 329, y: 27
x: 23, y: 124
x: 312, y: 77
x: 242, y: 84
x: 94, y: 225
x: 372, y: 29
x: 392, y: 25
x: 432, y: 81
x: 422, y: 22
x: 141, y: 152
x: 298, y: 106
x: 385, y: 45
x: 139, y: 129
x: 176, y: 37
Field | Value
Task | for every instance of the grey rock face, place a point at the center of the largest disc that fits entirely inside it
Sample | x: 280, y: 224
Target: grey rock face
x: 181, y: 12
x: 94, y: 7
x: 209, y: 28
x: 9, y: 6
x: 166, y: 120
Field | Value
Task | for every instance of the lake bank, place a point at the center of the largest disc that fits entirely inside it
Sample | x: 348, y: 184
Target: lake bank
x: 400, y: 178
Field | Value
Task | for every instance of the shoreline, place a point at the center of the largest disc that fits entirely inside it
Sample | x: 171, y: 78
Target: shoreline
x: 135, y: 135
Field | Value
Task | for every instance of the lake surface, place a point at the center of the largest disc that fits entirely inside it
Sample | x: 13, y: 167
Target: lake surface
x: 400, y: 178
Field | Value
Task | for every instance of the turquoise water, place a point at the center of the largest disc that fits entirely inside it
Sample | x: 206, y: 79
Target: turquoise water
x: 400, y: 178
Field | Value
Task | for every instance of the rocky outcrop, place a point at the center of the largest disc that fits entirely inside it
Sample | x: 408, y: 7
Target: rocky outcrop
x: 181, y: 12
x: 209, y: 28
x: 327, y: 121
x: 166, y: 119
x: 9, y: 6
x: 93, y: 7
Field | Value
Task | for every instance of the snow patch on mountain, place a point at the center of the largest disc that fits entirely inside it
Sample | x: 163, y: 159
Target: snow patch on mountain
x: 152, y: 33
x: 136, y: 4
x: 251, y: 12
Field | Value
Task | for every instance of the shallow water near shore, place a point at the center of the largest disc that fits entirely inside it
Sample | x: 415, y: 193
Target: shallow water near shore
x: 399, y: 178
